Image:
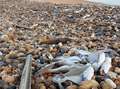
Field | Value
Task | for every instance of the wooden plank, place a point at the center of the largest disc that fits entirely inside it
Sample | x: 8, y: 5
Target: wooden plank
x: 26, y: 74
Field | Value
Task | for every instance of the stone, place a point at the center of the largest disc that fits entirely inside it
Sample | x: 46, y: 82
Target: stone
x: 88, y: 84
x: 9, y: 79
x: 72, y: 87
x: 112, y: 74
x: 117, y: 70
x: 110, y: 83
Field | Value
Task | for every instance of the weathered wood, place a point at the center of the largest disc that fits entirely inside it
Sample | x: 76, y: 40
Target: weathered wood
x: 26, y: 75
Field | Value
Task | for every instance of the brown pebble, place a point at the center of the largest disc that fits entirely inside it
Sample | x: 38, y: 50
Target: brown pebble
x: 72, y: 87
x: 9, y: 79
x: 117, y: 70
x: 42, y: 86
x: 11, y: 55
x: 88, y: 84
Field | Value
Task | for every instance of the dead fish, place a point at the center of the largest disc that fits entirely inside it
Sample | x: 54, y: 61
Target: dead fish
x: 106, y: 65
x: 69, y: 59
x: 98, y: 59
x: 88, y: 73
x: 76, y: 74
x: 60, y: 69
x: 72, y: 87
x: 81, y: 52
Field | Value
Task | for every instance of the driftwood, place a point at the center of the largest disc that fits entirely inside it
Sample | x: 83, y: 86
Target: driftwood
x: 26, y: 75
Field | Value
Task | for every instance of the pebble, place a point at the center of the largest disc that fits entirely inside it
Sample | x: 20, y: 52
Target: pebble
x: 20, y: 54
x: 96, y: 31
x: 11, y: 87
x: 112, y: 74
x: 104, y: 85
x: 1, y: 53
x: 21, y: 66
x: 110, y: 83
x: 2, y: 63
x: 2, y: 83
x: 88, y: 84
x: 9, y: 79
x: 42, y: 86
x: 117, y: 70
x: 72, y: 87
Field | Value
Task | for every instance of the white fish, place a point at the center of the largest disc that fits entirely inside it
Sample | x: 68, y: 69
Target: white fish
x: 81, y: 52
x: 106, y: 65
x: 101, y: 59
x: 96, y: 59
x: 93, y: 57
x: 88, y: 73
x: 60, y: 69
x: 76, y: 74
x: 69, y: 59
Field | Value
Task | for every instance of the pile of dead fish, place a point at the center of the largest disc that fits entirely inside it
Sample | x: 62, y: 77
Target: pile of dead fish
x: 88, y: 70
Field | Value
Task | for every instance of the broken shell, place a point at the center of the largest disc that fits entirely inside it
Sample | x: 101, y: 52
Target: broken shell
x: 89, y: 84
x: 106, y: 65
